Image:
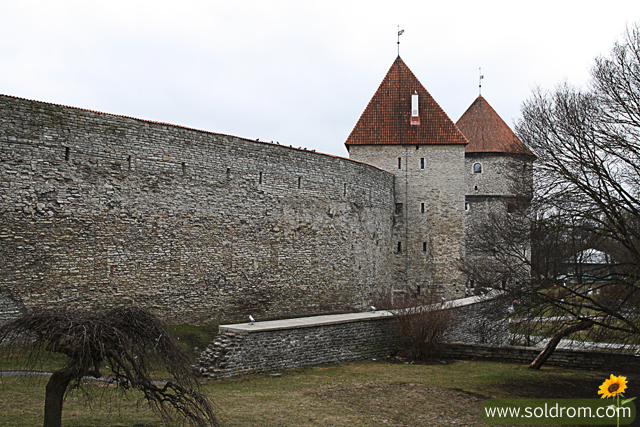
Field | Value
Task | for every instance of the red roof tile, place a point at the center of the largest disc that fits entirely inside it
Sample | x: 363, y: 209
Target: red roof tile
x: 385, y: 121
x: 487, y: 132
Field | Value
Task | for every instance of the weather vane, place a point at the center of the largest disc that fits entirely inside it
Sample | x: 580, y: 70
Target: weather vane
x: 399, y: 34
x: 480, y: 81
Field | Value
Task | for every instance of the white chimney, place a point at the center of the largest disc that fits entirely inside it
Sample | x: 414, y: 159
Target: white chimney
x: 415, y: 118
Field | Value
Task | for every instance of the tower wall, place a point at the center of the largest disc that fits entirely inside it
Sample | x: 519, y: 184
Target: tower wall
x: 502, y: 174
x: 429, y: 224
x: 497, y: 198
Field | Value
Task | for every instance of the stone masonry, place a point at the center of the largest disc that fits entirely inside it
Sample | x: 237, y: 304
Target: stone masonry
x: 294, y: 343
x: 428, y: 232
x: 98, y: 210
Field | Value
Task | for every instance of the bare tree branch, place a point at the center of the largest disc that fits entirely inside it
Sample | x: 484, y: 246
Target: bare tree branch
x: 127, y: 341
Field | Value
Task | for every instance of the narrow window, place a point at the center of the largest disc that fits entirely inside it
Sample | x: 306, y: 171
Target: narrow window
x: 398, y: 208
x: 477, y: 168
x: 504, y: 284
x: 260, y: 178
x: 184, y: 168
x: 345, y: 190
x: 228, y: 173
x: 475, y: 188
x: 424, y: 246
x: 422, y: 163
x: 399, y: 247
x: 466, y: 206
x: 67, y: 153
x: 418, y: 290
x: 299, y: 182
x: 399, y: 162
x: 422, y: 207
x: 472, y: 283
x: 129, y: 161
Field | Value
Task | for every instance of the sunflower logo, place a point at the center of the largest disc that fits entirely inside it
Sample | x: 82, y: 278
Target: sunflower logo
x: 612, y: 386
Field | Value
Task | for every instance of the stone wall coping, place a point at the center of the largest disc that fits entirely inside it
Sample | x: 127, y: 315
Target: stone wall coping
x: 304, y: 322
x: 331, y: 319
x: 462, y: 302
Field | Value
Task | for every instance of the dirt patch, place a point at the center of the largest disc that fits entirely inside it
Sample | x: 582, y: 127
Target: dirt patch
x: 403, y: 404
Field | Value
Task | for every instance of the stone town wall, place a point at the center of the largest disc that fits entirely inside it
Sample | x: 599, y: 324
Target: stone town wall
x: 9, y: 309
x: 98, y: 210
x: 429, y: 219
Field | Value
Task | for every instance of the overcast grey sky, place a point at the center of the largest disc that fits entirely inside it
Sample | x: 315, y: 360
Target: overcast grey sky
x: 297, y: 72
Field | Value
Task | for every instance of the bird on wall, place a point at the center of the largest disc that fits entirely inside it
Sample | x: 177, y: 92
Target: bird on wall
x: 251, y: 320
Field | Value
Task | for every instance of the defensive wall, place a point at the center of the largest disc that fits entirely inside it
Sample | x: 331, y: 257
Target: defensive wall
x: 98, y: 210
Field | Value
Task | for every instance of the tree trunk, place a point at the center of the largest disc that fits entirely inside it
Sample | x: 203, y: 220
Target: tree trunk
x: 56, y: 387
x: 553, y: 343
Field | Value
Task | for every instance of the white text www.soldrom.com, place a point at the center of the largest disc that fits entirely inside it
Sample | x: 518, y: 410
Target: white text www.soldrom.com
x: 556, y: 411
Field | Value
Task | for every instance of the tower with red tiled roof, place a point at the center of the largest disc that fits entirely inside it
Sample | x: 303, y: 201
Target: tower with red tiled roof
x: 498, y: 170
x: 404, y: 131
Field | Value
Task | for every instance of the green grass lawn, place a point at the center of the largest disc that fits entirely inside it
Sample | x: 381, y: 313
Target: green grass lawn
x: 367, y: 393
x: 364, y: 393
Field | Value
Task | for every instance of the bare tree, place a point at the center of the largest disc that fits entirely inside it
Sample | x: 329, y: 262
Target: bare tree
x: 128, y: 341
x: 421, y: 323
x: 587, y: 179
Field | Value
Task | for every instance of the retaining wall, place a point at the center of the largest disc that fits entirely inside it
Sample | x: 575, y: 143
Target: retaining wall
x: 581, y: 359
x: 293, y: 343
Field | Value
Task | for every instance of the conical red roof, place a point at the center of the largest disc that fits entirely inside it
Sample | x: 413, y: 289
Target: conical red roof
x: 386, y: 120
x: 487, y: 132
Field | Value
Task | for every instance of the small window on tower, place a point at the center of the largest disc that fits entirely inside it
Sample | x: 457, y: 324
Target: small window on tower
x: 422, y: 163
x: 398, y: 208
x: 399, y: 162
x: 422, y: 207
x: 399, y: 247
x: 477, y: 168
